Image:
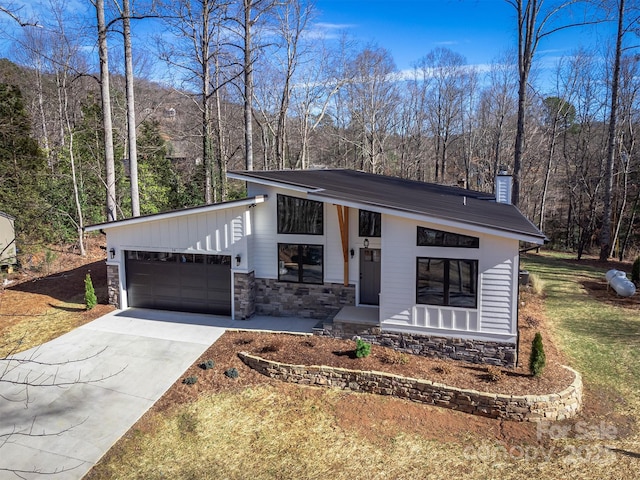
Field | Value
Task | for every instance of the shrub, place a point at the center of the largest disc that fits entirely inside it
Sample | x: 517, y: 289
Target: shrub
x: 209, y: 364
x: 90, y: 298
x: 538, y: 359
x: 531, y: 321
x: 231, y: 373
x: 494, y: 374
x: 363, y: 349
x: 270, y: 348
x: 393, y: 357
x: 190, y: 380
x: 635, y: 272
x: 537, y: 284
x: 444, y: 369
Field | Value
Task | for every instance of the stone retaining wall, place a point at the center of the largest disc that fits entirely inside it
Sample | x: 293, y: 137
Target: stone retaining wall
x: 284, y: 299
x: 522, y: 408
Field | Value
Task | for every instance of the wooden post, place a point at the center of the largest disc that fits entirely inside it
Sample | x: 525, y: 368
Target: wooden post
x: 343, y: 221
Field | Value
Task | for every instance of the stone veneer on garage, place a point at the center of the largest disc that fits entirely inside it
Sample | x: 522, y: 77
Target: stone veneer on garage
x: 522, y: 408
x: 283, y: 299
x: 244, y: 295
x: 113, y: 285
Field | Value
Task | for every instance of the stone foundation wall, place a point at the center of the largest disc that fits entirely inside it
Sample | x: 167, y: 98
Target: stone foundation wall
x: 244, y: 288
x: 282, y: 299
x: 522, y: 408
x: 113, y: 285
x: 474, y: 351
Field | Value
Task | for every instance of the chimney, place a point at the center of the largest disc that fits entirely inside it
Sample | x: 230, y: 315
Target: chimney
x: 504, y: 183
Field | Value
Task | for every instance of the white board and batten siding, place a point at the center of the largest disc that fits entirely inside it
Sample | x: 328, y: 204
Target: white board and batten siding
x: 495, y: 317
x: 265, y: 238
x: 220, y: 232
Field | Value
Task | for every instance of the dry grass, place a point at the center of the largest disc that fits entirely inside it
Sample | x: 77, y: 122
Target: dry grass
x: 269, y: 432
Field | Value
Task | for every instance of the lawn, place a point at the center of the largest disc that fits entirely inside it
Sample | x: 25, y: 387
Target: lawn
x: 266, y: 430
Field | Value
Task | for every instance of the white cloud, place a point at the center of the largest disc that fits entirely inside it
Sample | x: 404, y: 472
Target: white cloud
x: 328, y: 30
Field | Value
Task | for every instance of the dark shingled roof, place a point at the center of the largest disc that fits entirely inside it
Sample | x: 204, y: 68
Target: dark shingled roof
x: 438, y: 201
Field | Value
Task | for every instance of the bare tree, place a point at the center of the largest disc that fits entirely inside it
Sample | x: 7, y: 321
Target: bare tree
x: 292, y: 18
x: 535, y: 21
x: 195, y: 49
x: 606, y: 247
x: 444, y: 101
x: 250, y: 14
x: 373, y: 98
x: 132, y: 143
x: 105, y: 96
x: 323, y: 76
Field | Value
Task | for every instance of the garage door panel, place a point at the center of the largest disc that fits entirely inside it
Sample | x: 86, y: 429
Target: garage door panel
x: 190, y: 283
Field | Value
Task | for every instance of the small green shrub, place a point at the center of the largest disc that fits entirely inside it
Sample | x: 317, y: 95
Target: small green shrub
x: 90, y: 298
x: 190, y: 380
x: 538, y: 359
x: 363, y: 349
x: 231, y: 373
x: 49, y: 258
x: 208, y: 365
x: 635, y: 272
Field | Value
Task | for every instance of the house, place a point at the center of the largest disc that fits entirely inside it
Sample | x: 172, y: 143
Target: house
x: 7, y: 241
x: 422, y: 267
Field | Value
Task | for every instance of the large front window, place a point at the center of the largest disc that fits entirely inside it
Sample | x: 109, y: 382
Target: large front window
x: 300, y: 263
x: 299, y: 216
x: 448, y: 282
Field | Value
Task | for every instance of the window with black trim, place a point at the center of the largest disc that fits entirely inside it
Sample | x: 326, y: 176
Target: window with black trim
x: 448, y: 282
x: 300, y: 263
x: 429, y: 237
x: 369, y: 223
x: 299, y: 216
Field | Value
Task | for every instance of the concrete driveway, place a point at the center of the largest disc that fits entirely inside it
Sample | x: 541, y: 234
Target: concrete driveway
x: 108, y: 373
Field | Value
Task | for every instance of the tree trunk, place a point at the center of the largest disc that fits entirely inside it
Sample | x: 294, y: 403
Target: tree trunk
x: 547, y: 175
x: 131, y: 111
x: 605, y: 232
x: 248, y: 87
x: 206, y: 113
x: 106, y: 113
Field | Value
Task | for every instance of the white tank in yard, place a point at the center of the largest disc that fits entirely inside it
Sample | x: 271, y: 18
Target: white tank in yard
x: 620, y: 283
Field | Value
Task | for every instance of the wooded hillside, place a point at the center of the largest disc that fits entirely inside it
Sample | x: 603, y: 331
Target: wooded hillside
x: 244, y: 84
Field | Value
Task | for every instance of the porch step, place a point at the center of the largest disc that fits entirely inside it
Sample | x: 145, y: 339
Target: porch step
x: 358, y: 315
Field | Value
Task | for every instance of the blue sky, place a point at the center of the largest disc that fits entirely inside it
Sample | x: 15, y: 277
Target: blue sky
x: 480, y: 30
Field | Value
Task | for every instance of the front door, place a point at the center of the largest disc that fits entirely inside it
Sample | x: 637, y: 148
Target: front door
x: 370, y: 276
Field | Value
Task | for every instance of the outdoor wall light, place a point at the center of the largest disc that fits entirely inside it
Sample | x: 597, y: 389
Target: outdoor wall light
x: 112, y: 253
x: 366, y: 243
x: 352, y: 253
x: 238, y: 260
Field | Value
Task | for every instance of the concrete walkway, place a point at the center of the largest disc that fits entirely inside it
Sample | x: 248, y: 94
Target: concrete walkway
x: 108, y: 374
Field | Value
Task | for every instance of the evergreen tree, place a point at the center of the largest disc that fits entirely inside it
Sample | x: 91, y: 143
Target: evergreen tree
x: 90, y: 298
x: 23, y: 169
x: 538, y: 360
